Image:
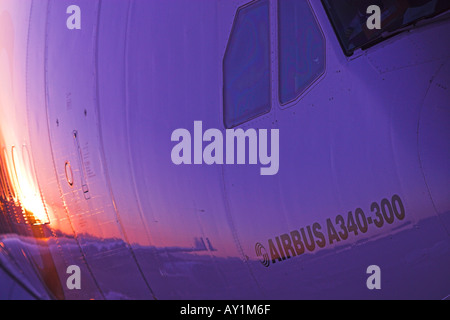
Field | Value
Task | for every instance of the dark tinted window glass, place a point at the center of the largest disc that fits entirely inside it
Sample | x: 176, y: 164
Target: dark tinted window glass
x: 349, y: 18
x: 247, y: 65
x: 301, y: 48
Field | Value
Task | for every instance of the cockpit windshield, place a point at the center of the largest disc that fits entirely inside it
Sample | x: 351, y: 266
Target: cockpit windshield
x: 349, y: 18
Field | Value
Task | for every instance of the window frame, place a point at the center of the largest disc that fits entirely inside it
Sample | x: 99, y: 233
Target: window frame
x: 317, y: 79
x: 269, y: 38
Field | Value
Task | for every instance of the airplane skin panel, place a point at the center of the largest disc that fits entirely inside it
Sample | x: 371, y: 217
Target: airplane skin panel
x: 74, y: 133
x: 197, y: 212
x: 434, y: 143
x: 116, y: 163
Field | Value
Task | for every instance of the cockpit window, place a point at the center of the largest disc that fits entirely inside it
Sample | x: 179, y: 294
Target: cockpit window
x: 301, y: 49
x: 246, y: 65
x: 349, y: 19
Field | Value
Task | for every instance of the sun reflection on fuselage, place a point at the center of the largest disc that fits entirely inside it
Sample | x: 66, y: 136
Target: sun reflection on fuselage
x: 18, y: 172
x: 25, y: 187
